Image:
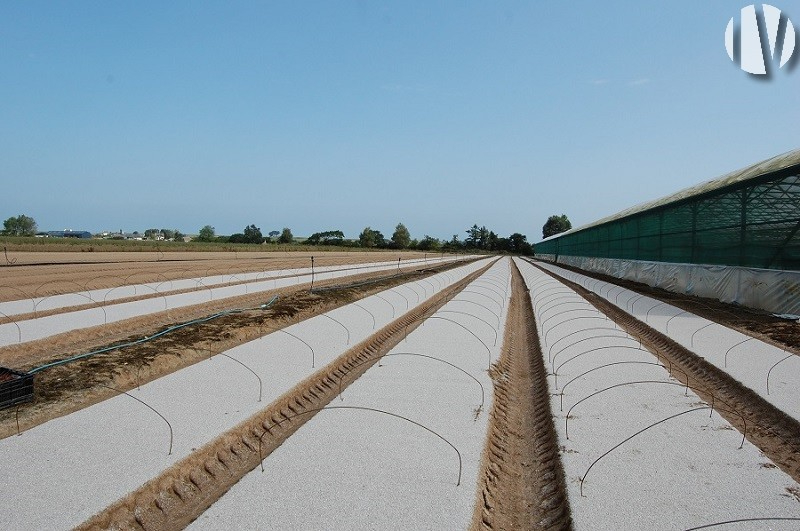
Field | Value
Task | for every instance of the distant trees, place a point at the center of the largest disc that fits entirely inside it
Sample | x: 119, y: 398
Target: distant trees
x: 252, y: 234
x: 518, y: 243
x: 401, y: 237
x: 371, y: 238
x: 286, y: 236
x: 556, y: 225
x: 331, y: 237
x: 453, y: 245
x: 21, y: 225
x: 206, y: 234
x: 483, y: 239
x: 478, y: 238
x: 429, y: 243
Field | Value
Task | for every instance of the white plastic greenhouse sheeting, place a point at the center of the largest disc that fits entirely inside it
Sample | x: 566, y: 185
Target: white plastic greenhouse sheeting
x: 766, y: 369
x: 38, y: 328
x: 772, y: 290
x: 684, y: 472
x: 355, y: 469
x: 60, y: 473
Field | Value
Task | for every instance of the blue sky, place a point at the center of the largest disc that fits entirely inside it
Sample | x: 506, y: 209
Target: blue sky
x: 340, y: 115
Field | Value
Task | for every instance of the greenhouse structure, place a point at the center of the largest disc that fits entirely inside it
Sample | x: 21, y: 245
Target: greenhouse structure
x: 735, y: 238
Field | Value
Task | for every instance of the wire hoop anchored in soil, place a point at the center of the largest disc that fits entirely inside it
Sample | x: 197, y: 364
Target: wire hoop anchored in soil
x: 260, y: 384
x: 589, y: 329
x: 19, y: 330
x: 742, y: 520
x: 555, y: 303
x: 78, y: 293
x: 775, y: 365
x: 591, y: 338
x: 346, y: 330
x: 544, y: 311
x: 423, y: 318
x: 593, y: 311
x: 501, y: 295
x: 374, y: 323
x: 408, y: 304
x: 572, y: 320
x: 313, y: 355
x: 564, y: 387
x: 682, y: 312
x: 487, y: 323
x: 583, y: 478
x: 725, y: 362
x: 9, y: 261
x: 696, y: 331
x: 149, y: 407
x: 496, y: 316
x: 483, y: 392
x: 360, y: 408
x: 499, y: 306
x: 657, y: 382
x: 384, y: 299
x: 624, y: 347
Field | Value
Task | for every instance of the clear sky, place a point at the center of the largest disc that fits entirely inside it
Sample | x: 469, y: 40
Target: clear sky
x: 341, y: 115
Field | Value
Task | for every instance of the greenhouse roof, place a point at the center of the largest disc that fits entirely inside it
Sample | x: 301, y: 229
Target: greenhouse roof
x: 760, y: 169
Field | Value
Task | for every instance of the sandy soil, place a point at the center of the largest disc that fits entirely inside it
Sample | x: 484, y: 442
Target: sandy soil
x: 40, y: 274
x: 183, y: 491
x: 757, y: 323
x: 65, y: 389
x: 773, y: 431
x: 522, y: 483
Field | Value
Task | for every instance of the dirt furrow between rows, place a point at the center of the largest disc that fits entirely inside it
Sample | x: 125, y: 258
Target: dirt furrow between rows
x: 522, y: 484
x: 200, y: 287
x: 774, y: 432
x: 182, y: 492
x: 68, y: 388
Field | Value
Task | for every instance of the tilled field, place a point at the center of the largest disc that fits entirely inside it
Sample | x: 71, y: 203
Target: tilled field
x: 630, y: 404
x: 63, y: 389
x: 774, y: 432
x: 45, y: 274
x: 522, y: 484
x: 353, y: 405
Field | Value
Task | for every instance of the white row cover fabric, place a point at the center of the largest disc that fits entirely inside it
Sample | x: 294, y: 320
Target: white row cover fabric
x: 772, y: 290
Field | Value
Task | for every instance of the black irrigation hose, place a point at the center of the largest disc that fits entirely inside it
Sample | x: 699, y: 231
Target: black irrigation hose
x: 154, y: 336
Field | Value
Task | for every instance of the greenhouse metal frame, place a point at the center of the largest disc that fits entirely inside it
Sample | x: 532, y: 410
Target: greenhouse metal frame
x: 748, y: 218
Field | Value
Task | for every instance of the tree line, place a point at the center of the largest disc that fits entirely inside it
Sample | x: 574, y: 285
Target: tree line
x: 477, y: 238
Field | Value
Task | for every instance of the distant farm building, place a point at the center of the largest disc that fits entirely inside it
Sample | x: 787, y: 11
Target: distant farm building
x: 67, y: 233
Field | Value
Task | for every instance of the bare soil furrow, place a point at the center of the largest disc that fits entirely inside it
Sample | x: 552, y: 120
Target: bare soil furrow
x: 522, y: 484
x: 63, y: 390
x: 182, y: 492
x: 774, y: 432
